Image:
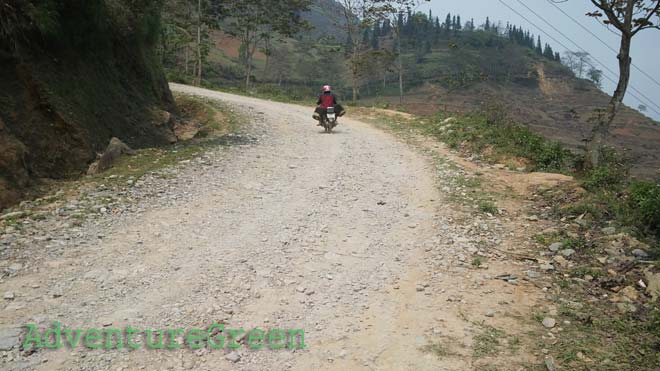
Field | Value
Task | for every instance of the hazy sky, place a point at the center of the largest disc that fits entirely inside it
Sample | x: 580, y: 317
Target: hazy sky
x: 645, y: 48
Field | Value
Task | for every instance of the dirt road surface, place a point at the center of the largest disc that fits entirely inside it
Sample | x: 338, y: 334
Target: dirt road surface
x: 348, y: 236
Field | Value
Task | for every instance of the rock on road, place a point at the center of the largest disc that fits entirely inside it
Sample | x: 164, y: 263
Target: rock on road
x: 325, y: 233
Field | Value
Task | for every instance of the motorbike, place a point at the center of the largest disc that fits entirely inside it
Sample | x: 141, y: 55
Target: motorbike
x: 329, y: 119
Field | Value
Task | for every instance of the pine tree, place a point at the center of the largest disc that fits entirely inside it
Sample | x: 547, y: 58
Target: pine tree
x: 539, y: 48
x: 386, y: 28
x: 458, y: 23
x: 375, y: 37
x: 487, y: 25
x: 548, y: 52
x: 448, y: 23
x: 365, y: 36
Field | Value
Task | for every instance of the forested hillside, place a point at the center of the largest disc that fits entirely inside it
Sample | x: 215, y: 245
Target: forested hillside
x: 446, y: 62
x: 73, y: 74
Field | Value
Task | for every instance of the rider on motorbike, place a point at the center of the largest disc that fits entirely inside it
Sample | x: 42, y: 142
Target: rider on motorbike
x: 325, y: 101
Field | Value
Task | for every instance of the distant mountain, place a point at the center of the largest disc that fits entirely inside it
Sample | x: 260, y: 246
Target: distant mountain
x: 325, y: 16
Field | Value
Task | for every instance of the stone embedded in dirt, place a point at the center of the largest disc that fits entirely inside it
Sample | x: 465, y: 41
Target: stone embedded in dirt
x: 639, y: 253
x: 608, y: 230
x: 556, y: 246
x: 652, y: 284
x: 549, y: 322
x: 419, y: 288
x: 57, y: 294
x: 115, y: 149
x: 550, y: 363
x: 626, y: 307
x: 561, y: 261
x: 567, y: 252
x: 233, y: 357
x: 15, y: 267
x: 489, y: 313
x: 9, y: 295
x: 506, y: 277
x: 9, y: 337
x: 533, y: 274
x: 551, y: 230
x: 629, y: 293
x: 533, y: 218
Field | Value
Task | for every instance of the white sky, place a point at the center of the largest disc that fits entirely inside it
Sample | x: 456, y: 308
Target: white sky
x: 645, y: 49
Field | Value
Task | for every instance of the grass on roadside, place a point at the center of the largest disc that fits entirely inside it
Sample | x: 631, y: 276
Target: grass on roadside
x: 599, y: 336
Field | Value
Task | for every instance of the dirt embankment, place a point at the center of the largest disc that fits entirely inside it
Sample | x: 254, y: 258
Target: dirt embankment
x: 65, y: 92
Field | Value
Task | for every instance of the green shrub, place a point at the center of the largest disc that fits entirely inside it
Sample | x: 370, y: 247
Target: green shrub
x: 644, y: 203
x: 611, y: 174
x: 603, y: 176
x: 488, y: 207
x: 492, y: 130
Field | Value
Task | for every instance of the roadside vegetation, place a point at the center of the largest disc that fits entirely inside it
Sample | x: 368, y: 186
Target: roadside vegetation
x: 606, y: 320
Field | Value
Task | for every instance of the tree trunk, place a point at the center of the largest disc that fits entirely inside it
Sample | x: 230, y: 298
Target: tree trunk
x: 187, y: 59
x: 199, y: 42
x: 601, y: 129
x: 355, y: 72
x: 400, y: 69
x: 248, y: 73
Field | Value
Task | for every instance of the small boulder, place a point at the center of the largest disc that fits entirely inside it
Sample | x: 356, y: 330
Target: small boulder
x: 549, y: 322
x: 629, y: 293
x: 561, y: 261
x: 609, y: 231
x: 233, y: 357
x: 652, y: 284
x: 556, y: 246
x: 567, y: 252
x: 639, y: 253
x: 9, y: 337
x: 115, y: 149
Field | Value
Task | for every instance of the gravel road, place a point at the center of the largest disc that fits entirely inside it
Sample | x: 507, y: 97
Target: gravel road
x: 347, y: 236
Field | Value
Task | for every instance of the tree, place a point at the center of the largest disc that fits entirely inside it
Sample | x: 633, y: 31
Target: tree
x: 448, y: 23
x: 255, y: 21
x: 358, y: 15
x: 629, y: 17
x: 375, y: 37
x: 548, y: 53
x: 395, y: 10
x: 186, y: 27
x: 596, y: 76
x: 578, y: 62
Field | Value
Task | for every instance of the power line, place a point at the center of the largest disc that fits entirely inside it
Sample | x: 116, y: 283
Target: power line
x: 601, y: 40
x: 598, y: 61
x: 567, y: 48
